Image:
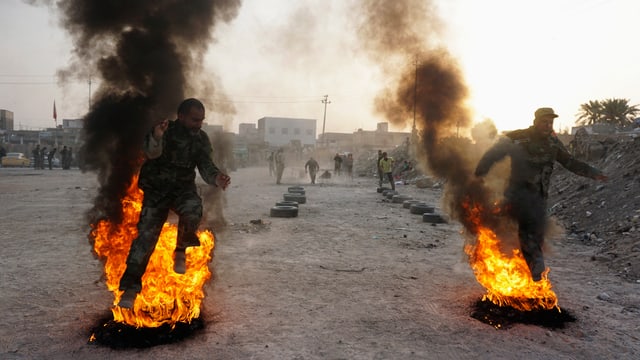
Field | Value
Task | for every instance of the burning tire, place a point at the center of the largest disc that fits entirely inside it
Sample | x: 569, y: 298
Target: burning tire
x: 397, y: 199
x: 433, y: 218
x: 299, y: 198
x: 284, y: 211
x: 421, y: 208
x: 407, y: 203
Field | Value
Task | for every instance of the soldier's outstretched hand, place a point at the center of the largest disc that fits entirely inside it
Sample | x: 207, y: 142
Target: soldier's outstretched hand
x: 160, y: 128
x: 223, y: 180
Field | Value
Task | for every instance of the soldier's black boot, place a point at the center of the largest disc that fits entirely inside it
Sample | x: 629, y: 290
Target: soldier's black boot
x: 180, y: 261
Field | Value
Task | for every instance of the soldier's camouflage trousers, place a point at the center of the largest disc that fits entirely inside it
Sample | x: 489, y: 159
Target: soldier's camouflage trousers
x: 155, y: 210
x: 528, y: 210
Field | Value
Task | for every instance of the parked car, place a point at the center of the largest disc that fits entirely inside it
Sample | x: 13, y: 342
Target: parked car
x: 15, y: 159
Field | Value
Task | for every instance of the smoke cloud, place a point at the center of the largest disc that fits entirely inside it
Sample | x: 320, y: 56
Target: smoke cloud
x: 146, y: 56
x: 404, y: 36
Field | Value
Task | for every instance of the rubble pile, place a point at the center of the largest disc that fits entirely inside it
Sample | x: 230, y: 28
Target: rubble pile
x: 604, y: 215
x: 365, y: 164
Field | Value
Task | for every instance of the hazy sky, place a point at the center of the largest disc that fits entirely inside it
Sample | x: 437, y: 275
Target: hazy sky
x: 279, y: 57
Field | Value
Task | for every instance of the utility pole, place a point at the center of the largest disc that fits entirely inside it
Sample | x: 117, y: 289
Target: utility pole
x: 325, y: 101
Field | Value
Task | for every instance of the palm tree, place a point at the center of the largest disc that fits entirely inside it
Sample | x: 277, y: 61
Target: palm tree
x: 618, y: 111
x: 589, y: 113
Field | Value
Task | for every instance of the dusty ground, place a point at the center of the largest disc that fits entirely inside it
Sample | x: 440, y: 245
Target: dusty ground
x: 353, y: 277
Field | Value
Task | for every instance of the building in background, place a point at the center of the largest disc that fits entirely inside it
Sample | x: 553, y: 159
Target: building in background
x: 6, y: 119
x: 279, y: 131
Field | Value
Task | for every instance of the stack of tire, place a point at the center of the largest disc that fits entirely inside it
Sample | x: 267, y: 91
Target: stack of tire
x: 427, y: 211
x: 289, y: 206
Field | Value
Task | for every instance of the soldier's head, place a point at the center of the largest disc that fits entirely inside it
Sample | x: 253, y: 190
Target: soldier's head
x: 543, y: 121
x: 191, y: 114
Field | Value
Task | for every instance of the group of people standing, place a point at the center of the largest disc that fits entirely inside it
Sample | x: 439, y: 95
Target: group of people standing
x: 340, y: 161
x: 39, y: 157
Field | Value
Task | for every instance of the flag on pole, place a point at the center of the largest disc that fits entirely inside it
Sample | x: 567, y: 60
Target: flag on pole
x: 55, y: 114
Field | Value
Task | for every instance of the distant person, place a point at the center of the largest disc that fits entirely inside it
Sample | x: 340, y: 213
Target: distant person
x: 43, y: 151
x: 36, y: 157
x: 337, y: 164
x: 533, y: 152
x: 68, y: 160
x: 173, y: 150
x: 63, y: 157
x: 272, y: 164
x: 279, y: 161
x: 3, y: 153
x: 386, y: 165
x: 380, y: 173
x: 312, y: 168
x: 50, y: 158
x: 348, y: 165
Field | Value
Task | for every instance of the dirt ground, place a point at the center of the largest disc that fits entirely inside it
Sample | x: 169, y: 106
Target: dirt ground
x: 352, y: 277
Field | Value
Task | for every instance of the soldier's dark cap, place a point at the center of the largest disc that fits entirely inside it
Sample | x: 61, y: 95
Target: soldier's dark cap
x: 544, y: 112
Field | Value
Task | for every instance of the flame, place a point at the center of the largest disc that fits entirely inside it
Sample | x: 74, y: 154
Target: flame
x: 507, y: 278
x: 166, y: 297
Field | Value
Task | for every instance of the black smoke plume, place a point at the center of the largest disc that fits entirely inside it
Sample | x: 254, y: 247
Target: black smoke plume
x: 404, y: 37
x: 145, y: 56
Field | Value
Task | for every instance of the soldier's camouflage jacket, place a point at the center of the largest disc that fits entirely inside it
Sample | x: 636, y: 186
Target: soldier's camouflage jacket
x: 532, y: 159
x: 171, y: 162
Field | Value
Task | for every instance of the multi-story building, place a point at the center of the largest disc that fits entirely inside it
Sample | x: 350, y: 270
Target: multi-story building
x: 6, y: 119
x: 278, y: 131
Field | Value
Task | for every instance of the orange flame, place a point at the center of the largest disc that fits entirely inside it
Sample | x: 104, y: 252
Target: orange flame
x: 166, y: 297
x: 507, y: 278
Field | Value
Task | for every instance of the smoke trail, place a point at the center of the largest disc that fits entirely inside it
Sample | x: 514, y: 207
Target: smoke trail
x: 405, y: 34
x: 146, y: 54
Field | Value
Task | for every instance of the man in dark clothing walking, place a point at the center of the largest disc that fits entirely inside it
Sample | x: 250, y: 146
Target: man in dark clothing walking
x: 173, y: 150
x: 337, y: 164
x: 312, y: 168
x: 279, y: 162
x: 41, y: 157
x: 533, y: 152
x: 50, y: 158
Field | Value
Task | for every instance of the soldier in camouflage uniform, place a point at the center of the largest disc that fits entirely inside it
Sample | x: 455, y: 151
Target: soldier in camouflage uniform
x: 173, y: 151
x: 533, y: 152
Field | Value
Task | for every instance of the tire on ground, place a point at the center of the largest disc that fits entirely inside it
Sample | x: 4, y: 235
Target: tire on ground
x: 397, y: 199
x: 299, y: 198
x: 284, y: 211
x: 433, y: 218
x: 382, y: 189
x: 407, y: 203
x: 421, y: 208
x: 391, y: 194
x: 296, y: 190
x: 287, y: 203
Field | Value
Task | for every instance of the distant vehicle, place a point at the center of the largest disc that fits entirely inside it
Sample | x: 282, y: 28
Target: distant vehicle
x: 15, y: 159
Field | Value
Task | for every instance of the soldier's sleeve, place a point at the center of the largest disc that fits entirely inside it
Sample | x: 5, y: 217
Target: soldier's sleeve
x: 208, y: 170
x: 152, y: 148
x: 572, y: 164
x: 496, y: 153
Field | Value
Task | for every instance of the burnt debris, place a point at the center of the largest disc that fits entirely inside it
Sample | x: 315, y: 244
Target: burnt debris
x: 503, y: 317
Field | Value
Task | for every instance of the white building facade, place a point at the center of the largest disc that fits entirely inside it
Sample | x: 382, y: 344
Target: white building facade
x: 278, y: 131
